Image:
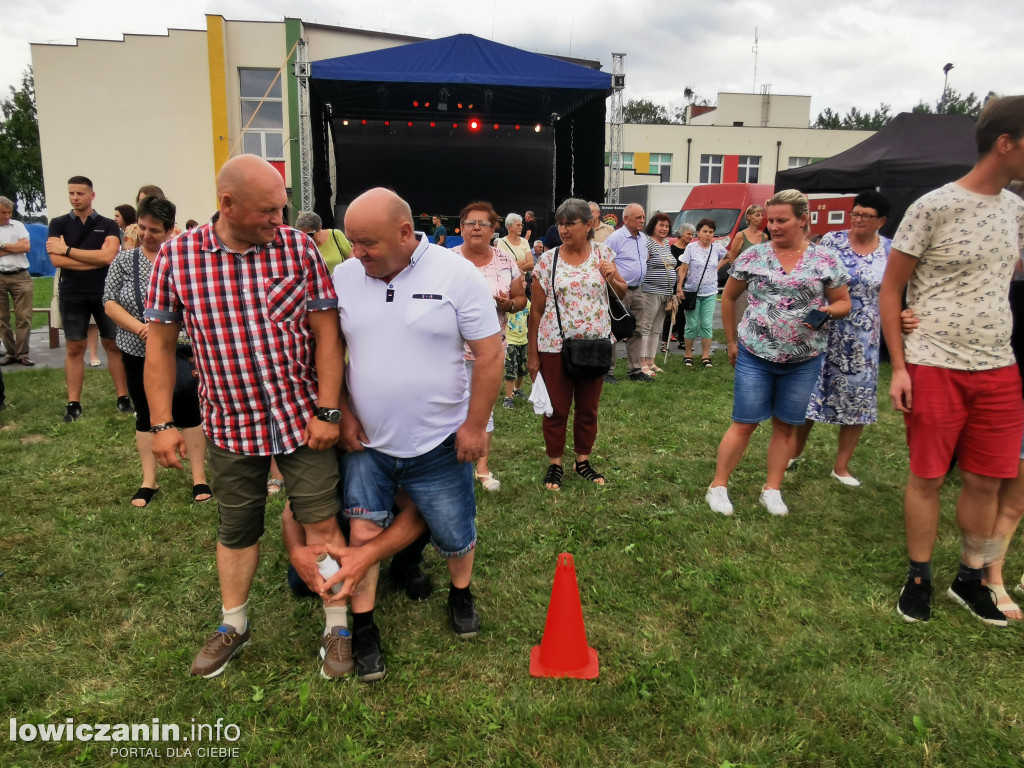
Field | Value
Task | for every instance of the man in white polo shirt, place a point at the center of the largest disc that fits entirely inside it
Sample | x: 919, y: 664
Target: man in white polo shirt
x: 15, y: 282
x: 407, y: 307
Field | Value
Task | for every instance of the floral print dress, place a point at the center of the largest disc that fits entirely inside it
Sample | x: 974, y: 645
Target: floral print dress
x: 846, y: 392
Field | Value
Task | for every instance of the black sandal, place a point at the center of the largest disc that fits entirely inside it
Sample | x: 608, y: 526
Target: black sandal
x: 706, y: 361
x: 587, y: 472
x: 146, y: 495
x: 553, y: 477
x: 201, y: 489
x: 688, y: 362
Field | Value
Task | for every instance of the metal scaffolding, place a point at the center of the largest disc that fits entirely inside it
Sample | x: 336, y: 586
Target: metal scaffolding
x: 615, y: 162
x: 302, y: 71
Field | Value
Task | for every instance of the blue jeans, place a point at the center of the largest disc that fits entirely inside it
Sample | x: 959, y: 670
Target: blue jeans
x: 437, y: 482
x: 762, y: 388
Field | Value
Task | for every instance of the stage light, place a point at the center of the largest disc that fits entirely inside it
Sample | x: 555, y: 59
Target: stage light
x: 364, y: 122
x: 432, y: 125
x: 536, y: 128
x: 495, y: 126
x: 387, y: 122
x: 470, y: 106
x: 474, y: 125
x: 455, y: 125
x: 415, y: 103
x: 427, y: 104
x: 460, y: 106
x: 344, y: 122
x: 409, y: 124
x: 517, y: 127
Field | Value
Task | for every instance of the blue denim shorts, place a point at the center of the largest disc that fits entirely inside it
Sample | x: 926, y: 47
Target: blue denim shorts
x: 437, y: 482
x: 762, y: 389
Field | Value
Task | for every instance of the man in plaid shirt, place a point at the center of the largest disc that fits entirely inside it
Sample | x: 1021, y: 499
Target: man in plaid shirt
x: 257, y: 303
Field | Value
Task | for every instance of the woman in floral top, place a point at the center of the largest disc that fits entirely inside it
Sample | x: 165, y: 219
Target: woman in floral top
x: 777, y: 354
x: 846, y: 391
x: 579, y: 283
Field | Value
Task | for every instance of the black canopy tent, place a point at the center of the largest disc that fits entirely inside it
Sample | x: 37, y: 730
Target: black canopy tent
x: 402, y: 117
x: 910, y: 156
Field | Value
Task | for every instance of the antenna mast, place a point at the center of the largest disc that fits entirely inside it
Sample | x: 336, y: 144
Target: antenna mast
x: 753, y: 88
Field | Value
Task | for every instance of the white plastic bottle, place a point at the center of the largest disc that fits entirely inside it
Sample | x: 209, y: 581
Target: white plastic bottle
x: 328, y: 567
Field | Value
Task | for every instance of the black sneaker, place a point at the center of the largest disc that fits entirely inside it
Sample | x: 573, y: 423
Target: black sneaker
x: 639, y: 376
x: 415, y: 582
x: 518, y: 393
x: 73, y: 412
x: 977, y: 599
x: 366, y: 652
x: 915, y: 603
x: 462, y: 610
x: 124, y: 405
x: 609, y: 378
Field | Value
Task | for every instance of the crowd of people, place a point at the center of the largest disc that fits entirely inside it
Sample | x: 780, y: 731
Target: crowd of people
x: 360, y: 367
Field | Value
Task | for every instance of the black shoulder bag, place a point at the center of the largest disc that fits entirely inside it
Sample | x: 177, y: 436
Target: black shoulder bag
x: 690, y: 297
x: 583, y: 359
x: 186, y: 378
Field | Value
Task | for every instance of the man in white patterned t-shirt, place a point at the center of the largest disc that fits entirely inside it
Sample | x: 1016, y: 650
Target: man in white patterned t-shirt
x: 955, y: 379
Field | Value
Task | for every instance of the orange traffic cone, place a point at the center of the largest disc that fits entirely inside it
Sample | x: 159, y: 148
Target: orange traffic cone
x: 563, y: 651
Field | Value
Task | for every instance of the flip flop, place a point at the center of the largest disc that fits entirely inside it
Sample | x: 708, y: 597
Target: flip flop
x: 201, y: 489
x: 145, y: 495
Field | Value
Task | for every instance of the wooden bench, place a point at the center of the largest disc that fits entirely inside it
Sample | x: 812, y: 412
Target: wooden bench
x: 54, y: 332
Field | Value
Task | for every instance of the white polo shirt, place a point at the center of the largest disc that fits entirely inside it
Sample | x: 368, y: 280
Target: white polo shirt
x: 405, y: 374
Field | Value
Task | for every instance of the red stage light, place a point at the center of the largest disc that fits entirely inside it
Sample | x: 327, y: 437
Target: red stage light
x: 409, y: 124
x: 415, y: 103
x: 460, y: 106
x: 455, y: 125
x: 387, y: 122
x: 474, y: 125
x: 427, y: 104
x: 495, y: 126
x: 517, y: 127
x: 470, y: 106
x: 432, y: 125
x: 364, y: 122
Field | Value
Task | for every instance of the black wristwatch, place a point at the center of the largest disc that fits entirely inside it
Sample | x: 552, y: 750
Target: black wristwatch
x: 330, y: 415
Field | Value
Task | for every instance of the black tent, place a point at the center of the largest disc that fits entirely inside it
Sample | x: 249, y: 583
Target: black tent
x: 912, y: 155
x: 447, y: 121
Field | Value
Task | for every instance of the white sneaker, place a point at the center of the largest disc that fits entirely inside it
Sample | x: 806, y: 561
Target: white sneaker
x: 718, y: 499
x: 771, y: 499
x: 847, y: 480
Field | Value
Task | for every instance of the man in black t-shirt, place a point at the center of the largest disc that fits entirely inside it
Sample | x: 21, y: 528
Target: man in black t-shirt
x: 83, y: 243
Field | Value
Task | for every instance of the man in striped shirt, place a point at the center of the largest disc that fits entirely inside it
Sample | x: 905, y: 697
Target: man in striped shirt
x: 258, y: 305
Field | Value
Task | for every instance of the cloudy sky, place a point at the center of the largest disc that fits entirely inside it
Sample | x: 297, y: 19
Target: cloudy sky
x: 843, y: 54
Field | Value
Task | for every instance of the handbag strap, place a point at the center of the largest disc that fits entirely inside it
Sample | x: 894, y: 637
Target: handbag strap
x: 136, y: 252
x: 554, y: 292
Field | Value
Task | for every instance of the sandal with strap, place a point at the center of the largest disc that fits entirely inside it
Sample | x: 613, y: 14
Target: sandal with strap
x: 489, y: 481
x: 553, y: 477
x: 688, y: 362
x: 274, y: 486
x: 201, y: 489
x: 145, y: 495
x: 706, y: 361
x: 587, y: 472
x: 1004, y: 602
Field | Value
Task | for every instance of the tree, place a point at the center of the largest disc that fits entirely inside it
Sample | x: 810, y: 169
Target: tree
x: 952, y: 103
x: 644, y: 111
x: 21, y: 166
x: 854, y: 120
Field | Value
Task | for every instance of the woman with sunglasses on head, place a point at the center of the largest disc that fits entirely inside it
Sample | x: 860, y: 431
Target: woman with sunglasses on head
x: 479, y: 222
x: 847, y: 386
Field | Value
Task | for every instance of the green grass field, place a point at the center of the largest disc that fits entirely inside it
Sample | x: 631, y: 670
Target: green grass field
x: 743, y: 641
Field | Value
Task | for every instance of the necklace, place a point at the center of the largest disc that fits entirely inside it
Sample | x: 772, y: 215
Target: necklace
x: 790, y: 252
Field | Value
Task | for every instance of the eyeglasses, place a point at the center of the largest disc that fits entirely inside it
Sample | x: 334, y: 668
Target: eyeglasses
x: 482, y: 223
x: 859, y: 215
x: 567, y: 224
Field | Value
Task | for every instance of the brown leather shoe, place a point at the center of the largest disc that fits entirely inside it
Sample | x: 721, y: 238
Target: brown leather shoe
x: 336, y: 653
x: 25, y: 361
x: 222, y: 646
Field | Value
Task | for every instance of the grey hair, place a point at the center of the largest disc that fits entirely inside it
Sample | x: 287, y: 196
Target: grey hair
x: 794, y: 198
x: 538, y: 242
x: 308, y: 220
x: 686, y: 228
x: 513, y: 218
x: 6, y: 203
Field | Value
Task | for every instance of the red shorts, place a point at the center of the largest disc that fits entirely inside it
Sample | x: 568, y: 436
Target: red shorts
x: 978, y: 415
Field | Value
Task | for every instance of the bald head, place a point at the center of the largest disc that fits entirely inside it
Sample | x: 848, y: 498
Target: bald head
x: 633, y: 218
x: 379, y: 225
x: 251, y: 196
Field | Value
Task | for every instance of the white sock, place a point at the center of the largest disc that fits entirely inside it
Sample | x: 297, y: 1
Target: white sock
x: 237, y: 618
x: 336, y: 616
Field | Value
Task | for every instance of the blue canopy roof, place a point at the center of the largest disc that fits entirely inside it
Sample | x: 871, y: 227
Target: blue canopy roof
x: 461, y: 59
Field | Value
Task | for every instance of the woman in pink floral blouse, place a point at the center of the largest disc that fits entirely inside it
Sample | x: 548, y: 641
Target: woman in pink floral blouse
x: 579, y: 283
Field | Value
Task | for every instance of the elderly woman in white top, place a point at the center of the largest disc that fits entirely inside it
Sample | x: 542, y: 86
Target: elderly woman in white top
x: 698, y: 272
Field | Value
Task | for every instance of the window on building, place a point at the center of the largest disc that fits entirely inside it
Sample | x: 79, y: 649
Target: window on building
x: 836, y: 217
x: 814, y: 217
x: 627, y: 160
x: 799, y: 162
x: 661, y: 163
x: 711, y: 169
x: 749, y: 168
x: 262, y: 104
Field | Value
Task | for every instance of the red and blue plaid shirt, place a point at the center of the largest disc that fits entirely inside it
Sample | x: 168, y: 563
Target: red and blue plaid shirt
x: 247, y: 317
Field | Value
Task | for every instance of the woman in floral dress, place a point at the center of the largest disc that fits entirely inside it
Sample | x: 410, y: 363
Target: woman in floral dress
x: 847, y: 385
